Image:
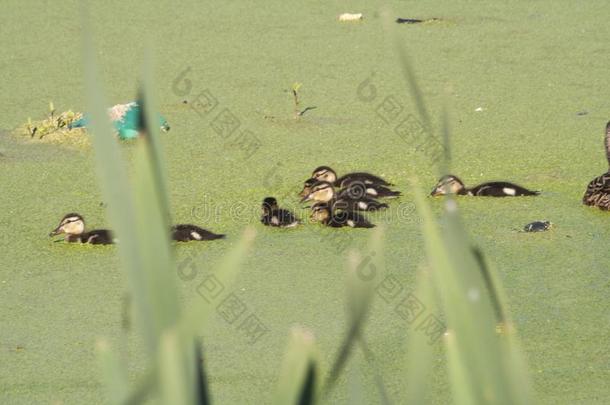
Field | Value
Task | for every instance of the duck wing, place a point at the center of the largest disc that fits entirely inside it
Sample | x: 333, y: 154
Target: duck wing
x: 367, y: 178
x: 187, y: 232
x: 500, y: 189
x: 97, y: 237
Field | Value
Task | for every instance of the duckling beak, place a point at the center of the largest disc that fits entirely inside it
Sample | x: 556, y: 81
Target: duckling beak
x: 304, y: 192
x: 306, y: 198
x: 56, y: 231
x: 436, y: 191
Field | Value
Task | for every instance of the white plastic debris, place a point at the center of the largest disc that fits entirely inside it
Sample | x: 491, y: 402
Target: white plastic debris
x: 350, y: 17
x: 479, y: 109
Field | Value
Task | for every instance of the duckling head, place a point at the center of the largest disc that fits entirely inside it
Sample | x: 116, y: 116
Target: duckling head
x: 71, y: 224
x: 320, y: 212
x: 448, y: 184
x: 324, y: 173
x: 307, y: 187
x: 269, y: 203
x: 321, y: 191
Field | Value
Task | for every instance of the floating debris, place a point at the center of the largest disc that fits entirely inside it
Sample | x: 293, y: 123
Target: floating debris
x: 581, y: 113
x: 538, y: 226
x: 415, y: 20
x: 350, y: 17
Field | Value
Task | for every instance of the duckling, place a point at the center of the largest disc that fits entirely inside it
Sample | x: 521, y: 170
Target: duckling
x: 322, y: 212
x: 73, y: 226
x: 276, y: 216
x: 323, y: 191
x: 325, y: 173
x: 450, y: 184
x: 357, y: 188
x: 187, y: 232
x: 307, y: 187
x: 598, y: 189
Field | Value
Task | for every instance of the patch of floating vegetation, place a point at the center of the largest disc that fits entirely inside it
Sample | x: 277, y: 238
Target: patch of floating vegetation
x: 55, y: 128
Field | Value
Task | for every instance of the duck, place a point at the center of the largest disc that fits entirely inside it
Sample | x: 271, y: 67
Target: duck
x: 273, y: 215
x: 126, y: 120
x: 323, y: 213
x: 73, y: 226
x: 188, y: 232
x: 451, y: 184
x: 323, y: 191
x: 325, y: 173
x: 598, y: 189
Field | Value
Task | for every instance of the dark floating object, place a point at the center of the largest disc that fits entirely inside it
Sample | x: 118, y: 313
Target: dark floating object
x: 581, y: 113
x: 414, y: 20
x: 538, y: 226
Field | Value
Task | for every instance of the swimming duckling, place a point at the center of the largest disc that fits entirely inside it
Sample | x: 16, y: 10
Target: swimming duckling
x: 598, y: 189
x: 73, y: 226
x: 323, y: 191
x: 359, y: 188
x: 322, y: 212
x: 276, y: 216
x: 187, y: 232
x: 325, y: 173
x: 452, y: 185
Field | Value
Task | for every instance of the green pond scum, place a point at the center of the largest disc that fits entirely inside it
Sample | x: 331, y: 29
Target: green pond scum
x: 515, y: 79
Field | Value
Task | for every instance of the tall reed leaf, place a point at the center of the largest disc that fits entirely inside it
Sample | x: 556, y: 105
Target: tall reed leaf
x: 300, y: 374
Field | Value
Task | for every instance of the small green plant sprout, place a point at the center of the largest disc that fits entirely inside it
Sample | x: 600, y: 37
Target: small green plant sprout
x: 295, y: 94
x: 31, y: 129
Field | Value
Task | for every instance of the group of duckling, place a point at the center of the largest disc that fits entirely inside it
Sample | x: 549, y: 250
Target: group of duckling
x: 337, y: 201
x: 341, y: 201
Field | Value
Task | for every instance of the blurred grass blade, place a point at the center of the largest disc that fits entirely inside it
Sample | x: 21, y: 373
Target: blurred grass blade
x: 199, y: 310
x: 491, y: 286
x: 299, y: 376
x: 355, y: 384
x: 203, y: 391
x: 158, y: 272
x: 384, y: 398
x: 174, y: 377
x: 150, y: 123
x: 419, y: 348
x: 359, y: 292
x: 114, y: 374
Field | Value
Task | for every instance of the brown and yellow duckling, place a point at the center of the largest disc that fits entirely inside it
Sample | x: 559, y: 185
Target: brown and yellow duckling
x: 273, y: 215
x: 325, y: 214
x: 325, y: 173
x: 598, y: 189
x: 451, y: 184
x: 323, y: 191
x: 73, y: 226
